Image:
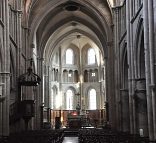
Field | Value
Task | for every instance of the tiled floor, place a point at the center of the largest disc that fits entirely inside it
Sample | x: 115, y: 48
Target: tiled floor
x: 70, y: 140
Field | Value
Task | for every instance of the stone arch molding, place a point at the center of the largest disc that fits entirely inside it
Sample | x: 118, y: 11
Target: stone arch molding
x: 138, y: 38
x: 89, y: 88
x: 52, y: 45
x: 123, y: 61
x: 71, y: 88
x: 34, y: 24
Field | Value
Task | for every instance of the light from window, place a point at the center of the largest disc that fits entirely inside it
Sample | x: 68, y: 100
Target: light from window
x: 93, y: 73
x: 52, y: 98
x: 91, y: 56
x: 69, y: 56
x: 92, y: 99
x: 69, y: 99
x: 57, y: 101
x: 69, y: 75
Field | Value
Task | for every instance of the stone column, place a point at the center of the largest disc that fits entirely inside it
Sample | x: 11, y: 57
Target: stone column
x: 73, y: 77
x: 4, y: 104
x: 130, y: 69
x: 2, y: 98
x: 125, y: 110
x: 60, y: 79
x: 5, y: 73
x: 117, y: 67
x: 46, y: 85
x: 88, y: 75
x: 152, y: 68
x: 39, y: 96
x: 68, y: 76
x: 110, y: 86
x: 19, y: 38
x: 52, y: 74
x: 141, y: 107
x: 147, y: 70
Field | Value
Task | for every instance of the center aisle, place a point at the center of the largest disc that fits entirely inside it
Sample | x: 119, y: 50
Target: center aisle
x: 70, y: 140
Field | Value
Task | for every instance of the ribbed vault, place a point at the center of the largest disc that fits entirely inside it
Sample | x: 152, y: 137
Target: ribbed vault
x: 50, y: 22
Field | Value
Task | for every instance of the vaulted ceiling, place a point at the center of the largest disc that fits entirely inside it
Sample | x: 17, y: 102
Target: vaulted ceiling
x: 53, y: 21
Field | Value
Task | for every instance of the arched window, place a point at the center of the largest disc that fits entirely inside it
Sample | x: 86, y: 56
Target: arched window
x: 52, y: 99
x: 91, y: 56
x: 69, y: 99
x: 92, y: 99
x: 56, y: 98
x: 69, y: 56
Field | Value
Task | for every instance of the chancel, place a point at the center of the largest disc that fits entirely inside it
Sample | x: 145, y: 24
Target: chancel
x: 77, y: 71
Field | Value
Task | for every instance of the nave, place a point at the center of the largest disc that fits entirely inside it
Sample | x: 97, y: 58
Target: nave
x: 93, y: 61
x: 95, y: 135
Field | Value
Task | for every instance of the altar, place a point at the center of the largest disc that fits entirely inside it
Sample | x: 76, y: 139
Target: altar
x: 74, y: 120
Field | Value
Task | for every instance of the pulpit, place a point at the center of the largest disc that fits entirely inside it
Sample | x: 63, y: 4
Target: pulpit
x: 27, y: 106
x: 27, y: 109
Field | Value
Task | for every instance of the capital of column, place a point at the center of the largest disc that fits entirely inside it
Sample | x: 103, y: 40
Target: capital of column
x: 152, y: 86
x: 109, y: 43
x: 4, y: 73
x: 116, y: 9
x: 140, y: 84
x: 15, y: 10
x: 124, y: 90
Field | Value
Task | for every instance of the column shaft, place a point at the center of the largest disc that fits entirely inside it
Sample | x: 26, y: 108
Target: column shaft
x: 125, y: 110
x: 141, y: 107
x: 147, y: 69
x: 132, y: 129
x: 151, y: 52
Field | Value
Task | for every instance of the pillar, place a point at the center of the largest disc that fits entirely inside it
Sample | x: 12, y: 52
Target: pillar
x: 147, y: 70
x: 131, y: 82
x: 141, y: 107
x: 88, y: 75
x: 5, y: 74
x: 125, y: 111
x: 151, y: 53
x: 73, y: 76
x: 117, y: 67
x: 39, y: 96
x: 110, y: 86
x: 18, y: 13
x: 4, y: 105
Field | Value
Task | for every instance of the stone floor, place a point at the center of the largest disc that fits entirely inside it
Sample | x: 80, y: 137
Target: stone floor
x: 70, y: 140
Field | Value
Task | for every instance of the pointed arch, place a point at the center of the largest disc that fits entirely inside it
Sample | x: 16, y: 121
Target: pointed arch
x: 12, y: 69
x: 139, y: 50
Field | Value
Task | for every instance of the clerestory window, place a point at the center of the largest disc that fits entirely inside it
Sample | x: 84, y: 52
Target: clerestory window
x: 69, y: 56
x: 91, y: 56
